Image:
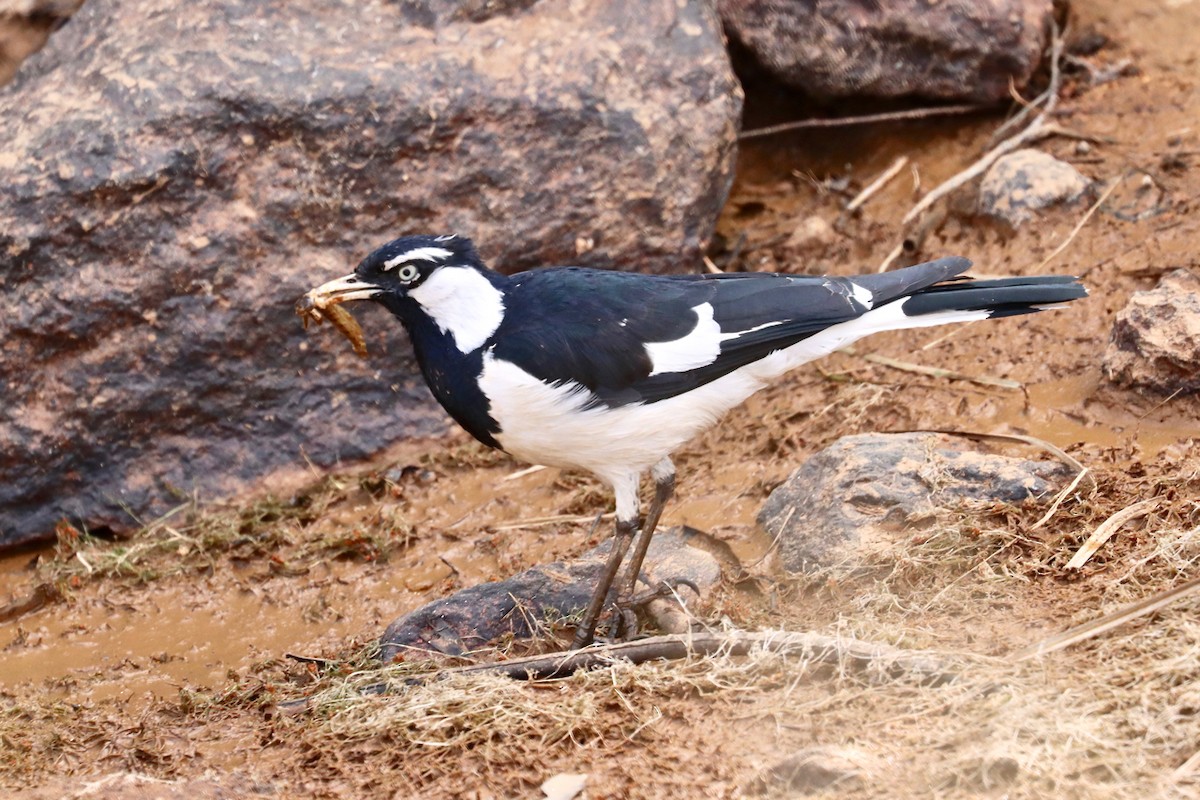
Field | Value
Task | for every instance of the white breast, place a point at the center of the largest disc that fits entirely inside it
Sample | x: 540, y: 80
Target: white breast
x: 463, y: 303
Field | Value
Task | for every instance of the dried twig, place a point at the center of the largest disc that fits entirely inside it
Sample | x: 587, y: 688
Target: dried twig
x: 1187, y: 767
x: 1107, y: 528
x: 884, y: 178
x: 1071, y: 236
x: 1058, y: 500
x: 320, y: 663
x: 891, y: 257
x: 840, y: 651
x: 866, y: 119
x: 521, y: 473
x: 556, y: 519
x: 939, y: 372
x: 1089, y: 630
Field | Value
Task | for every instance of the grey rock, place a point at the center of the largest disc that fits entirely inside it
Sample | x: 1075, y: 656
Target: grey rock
x: 1155, y: 340
x: 165, y: 204
x: 546, y: 595
x: 858, y: 496
x: 949, y: 50
x: 1025, y: 182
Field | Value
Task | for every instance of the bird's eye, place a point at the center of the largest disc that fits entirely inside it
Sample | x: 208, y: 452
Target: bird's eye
x: 408, y: 273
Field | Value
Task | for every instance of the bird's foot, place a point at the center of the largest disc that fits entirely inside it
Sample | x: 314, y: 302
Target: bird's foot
x: 624, y: 626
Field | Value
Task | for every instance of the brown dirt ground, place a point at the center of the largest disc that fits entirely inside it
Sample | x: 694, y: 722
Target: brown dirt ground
x: 164, y: 655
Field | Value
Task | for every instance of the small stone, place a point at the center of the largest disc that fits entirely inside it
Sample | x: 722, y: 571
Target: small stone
x: 812, y: 234
x: 1155, y: 340
x: 1025, y: 182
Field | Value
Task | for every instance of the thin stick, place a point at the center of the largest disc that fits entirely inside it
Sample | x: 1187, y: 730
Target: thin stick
x: 938, y: 372
x: 322, y: 663
x: 1089, y: 630
x: 538, y: 522
x: 1058, y: 500
x: 1107, y: 528
x: 867, y: 119
x: 1187, y: 767
x: 1078, y: 227
x: 891, y: 258
x: 521, y: 473
x: 955, y: 330
x: 884, y: 178
x: 818, y: 647
x: 836, y: 650
x: 711, y: 267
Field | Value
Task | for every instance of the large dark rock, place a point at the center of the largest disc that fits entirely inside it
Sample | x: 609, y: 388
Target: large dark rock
x: 1155, y: 340
x: 176, y: 175
x: 854, y: 499
x: 953, y: 49
x: 546, y: 595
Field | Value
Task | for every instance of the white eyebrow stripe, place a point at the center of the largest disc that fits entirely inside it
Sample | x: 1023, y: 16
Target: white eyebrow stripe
x: 417, y: 254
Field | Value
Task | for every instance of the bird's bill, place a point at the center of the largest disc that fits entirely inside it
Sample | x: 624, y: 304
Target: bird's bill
x: 340, y: 290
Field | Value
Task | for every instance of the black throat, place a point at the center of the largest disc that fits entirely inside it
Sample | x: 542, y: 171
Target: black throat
x: 452, y: 376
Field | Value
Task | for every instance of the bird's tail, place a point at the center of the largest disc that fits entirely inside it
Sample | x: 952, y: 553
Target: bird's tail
x: 1000, y: 297
x: 953, y: 300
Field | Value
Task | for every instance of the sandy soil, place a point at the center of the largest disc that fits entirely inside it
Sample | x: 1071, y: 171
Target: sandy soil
x: 165, y: 655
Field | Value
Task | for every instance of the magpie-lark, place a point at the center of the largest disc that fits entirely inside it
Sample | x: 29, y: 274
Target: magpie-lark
x: 611, y: 372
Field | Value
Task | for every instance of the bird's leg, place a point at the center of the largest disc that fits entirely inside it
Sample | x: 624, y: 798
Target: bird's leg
x: 664, y: 487
x: 620, y: 545
x: 627, y: 502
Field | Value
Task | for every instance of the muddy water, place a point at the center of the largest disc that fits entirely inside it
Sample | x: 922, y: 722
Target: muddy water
x: 1066, y: 412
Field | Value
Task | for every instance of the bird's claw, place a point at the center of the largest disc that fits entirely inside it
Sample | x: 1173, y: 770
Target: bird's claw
x: 624, y: 625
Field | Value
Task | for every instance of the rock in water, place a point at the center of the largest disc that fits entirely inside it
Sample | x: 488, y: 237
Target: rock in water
x: 164, y: 205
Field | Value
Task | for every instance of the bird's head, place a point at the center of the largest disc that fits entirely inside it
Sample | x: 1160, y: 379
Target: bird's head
x: 434, y: 278
x: 398, y: 268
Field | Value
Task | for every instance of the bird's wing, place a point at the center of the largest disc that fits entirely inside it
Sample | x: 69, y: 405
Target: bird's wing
x: 636, y: 338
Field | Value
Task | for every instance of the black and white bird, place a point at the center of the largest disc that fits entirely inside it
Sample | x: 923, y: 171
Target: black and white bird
x: 611, y: 372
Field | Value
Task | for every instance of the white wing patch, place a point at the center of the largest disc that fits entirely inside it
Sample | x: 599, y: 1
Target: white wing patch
x: 699, y: 348
x: 417, y: 254
x: 463, y: 303
x: 862, y: 294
